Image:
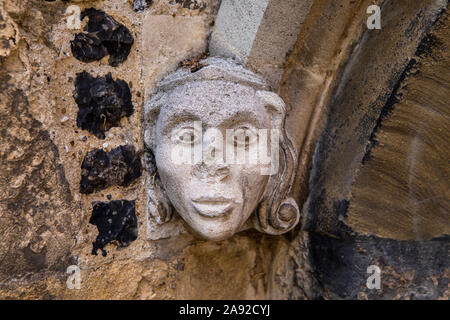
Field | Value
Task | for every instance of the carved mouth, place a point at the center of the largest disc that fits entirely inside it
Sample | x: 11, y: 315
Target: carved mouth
x: 212, y: 207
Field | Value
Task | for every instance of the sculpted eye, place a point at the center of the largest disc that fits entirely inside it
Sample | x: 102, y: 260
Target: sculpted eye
x: 186, y: 135
x: 244, y: 137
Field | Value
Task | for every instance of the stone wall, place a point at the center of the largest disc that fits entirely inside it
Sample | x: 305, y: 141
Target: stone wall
x: 367, y: 109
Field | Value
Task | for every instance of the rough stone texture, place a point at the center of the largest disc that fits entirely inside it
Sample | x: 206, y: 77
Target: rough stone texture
x: 349, y: 129
x: 352, y: 105
x: 191, y: 4
x: 9, y: 33
x: 139, y: 5
x: 403, y: 189
x: 38, y: 218
x: 235, y: 28
x: 166, y: 45
x: 325, y: 42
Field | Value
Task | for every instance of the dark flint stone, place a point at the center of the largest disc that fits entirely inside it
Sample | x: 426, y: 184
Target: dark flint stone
x: 103, y: 36
x: 99, y: 170
x: 115, y: 220
x: 102, y: 102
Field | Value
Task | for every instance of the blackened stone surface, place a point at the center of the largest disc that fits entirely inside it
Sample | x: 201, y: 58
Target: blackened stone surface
x: 99, y: 170
x: 340, y: 252
x: 115, y: 220
x: 103, y: 36
x: 409, y: 269
x: 102, y: 102
x: 355, y: 114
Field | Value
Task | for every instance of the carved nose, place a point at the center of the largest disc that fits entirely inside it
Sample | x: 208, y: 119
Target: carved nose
x: 214, y: 172
x: 222, y: 172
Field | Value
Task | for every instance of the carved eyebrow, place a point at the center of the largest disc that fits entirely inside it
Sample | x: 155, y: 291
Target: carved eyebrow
x: 238, y: 117
x: 243, y: 117
x: 177, y: 118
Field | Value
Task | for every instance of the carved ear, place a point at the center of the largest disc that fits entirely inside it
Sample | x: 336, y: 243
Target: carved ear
x: 158, y: 204
x: 277, y: 218
x: 275, y: 105
x: 151, y: 112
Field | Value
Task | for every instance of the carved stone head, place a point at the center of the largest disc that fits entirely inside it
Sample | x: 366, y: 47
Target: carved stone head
x: 219, y: 107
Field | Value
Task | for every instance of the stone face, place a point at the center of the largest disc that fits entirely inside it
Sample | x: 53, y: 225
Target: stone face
x: 115, y: 220
x: 121, y: 166
x: 102, y: 102
x: 214, y: 194
x: 103, y: 36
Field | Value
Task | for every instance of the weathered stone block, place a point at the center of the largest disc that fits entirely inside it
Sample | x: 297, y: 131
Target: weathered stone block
x: 235, y: 28
x: 168, y: 41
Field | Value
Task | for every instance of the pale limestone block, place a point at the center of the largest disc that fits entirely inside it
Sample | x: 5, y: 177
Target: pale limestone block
x: 259, y: 34
x: 167, y: 40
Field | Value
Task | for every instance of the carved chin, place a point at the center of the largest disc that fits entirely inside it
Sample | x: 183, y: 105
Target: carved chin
x: 215, y: 236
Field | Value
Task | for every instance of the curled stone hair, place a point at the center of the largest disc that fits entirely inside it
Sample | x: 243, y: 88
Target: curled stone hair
x: 277, y: 212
